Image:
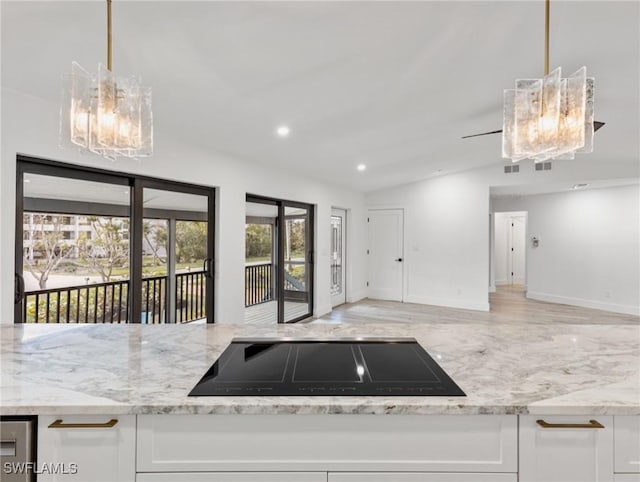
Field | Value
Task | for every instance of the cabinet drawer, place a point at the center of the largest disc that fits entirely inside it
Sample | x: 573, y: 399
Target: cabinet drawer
x: 627, y: 444
x: 404, y: 443
x: 100, y: 451
x: 415, y: 477
x: 234, y: 477
x: 560, y: 453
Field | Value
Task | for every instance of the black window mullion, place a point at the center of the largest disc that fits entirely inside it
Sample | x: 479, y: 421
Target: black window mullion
x: 280, y: 268
x: 209, y: 280
x: 20, y: 308
x: 135, y: 252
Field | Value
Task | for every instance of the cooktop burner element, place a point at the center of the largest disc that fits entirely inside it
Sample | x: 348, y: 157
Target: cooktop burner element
x: 358, y: 366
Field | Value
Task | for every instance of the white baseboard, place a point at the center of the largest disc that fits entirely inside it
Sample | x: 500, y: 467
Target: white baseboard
x: 501, y: 282
x: 322, y: 310
x: 449, y: 303
x: 492, y: 289
x: 353, y: 296
x: 597, y: 305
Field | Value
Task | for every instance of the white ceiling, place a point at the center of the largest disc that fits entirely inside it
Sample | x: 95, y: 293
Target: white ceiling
x: 390, y: 84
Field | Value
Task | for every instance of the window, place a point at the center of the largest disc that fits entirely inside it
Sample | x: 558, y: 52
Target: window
x: 91, y: 257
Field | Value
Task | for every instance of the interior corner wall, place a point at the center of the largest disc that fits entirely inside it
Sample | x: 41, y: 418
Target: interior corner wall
x: 447, y: 226
x: 29, y: 126
x: 589, y: 247
x: 446, y: 239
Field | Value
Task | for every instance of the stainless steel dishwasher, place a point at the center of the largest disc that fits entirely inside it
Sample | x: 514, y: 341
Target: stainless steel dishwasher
x: 18, y: 449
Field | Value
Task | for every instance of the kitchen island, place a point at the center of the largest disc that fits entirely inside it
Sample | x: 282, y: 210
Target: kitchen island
x: 513, y: 377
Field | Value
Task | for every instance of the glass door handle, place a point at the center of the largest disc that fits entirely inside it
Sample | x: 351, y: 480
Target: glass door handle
x: 207, y: 267
x: 18, y: 295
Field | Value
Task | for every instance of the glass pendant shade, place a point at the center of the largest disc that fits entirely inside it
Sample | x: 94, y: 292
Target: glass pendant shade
x: 548, y: 118
x: 107, y: 116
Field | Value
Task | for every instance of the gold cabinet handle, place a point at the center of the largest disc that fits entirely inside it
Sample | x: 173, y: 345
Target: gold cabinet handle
x: 591, y: 424
x: 59, y: 424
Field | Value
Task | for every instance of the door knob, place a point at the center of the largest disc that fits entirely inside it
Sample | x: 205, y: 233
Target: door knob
x: 399, y: 260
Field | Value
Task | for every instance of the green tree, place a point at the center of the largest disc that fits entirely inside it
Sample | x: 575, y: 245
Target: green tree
x: 155, y: 236
x: 257, y: 240
x: 191, y: 241
x: 297, y: 234
x: 107, y: 247
x: 48, y: 248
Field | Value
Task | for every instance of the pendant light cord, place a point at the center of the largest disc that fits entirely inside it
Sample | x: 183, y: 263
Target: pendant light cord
x: 546, y: 36
x: 109, y: 35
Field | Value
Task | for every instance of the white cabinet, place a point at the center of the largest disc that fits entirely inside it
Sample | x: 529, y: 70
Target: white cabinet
x: 566, y: 449
x: 325, y: 443
x: 626, y: 478
x: 417, y: 477
x: 627, y: 444
x: 87, y: 448
x: 234, y: 477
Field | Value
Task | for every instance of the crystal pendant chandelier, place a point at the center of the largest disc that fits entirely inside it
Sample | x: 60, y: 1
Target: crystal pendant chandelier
x: 106, y: 115
x: 548, y: 118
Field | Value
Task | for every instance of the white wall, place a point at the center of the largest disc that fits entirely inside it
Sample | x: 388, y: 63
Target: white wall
x: 30, y: 126
x: 447, y: 242
x: 446, y: 239
x: 589, y: 251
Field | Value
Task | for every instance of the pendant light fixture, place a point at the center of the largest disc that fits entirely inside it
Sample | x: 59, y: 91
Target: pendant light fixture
x: 548, y: 118
x: 106, y: 115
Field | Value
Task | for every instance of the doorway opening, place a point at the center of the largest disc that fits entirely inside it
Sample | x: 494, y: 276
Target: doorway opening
x: 278, y: 260
x: 509, y: 254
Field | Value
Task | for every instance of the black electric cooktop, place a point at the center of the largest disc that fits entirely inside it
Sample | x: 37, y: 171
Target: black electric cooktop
x: 378, y: 367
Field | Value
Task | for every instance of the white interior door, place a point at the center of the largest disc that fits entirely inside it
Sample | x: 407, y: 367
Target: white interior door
x: 385, y: 254
x: 518, y: 247
x: 337, y: 256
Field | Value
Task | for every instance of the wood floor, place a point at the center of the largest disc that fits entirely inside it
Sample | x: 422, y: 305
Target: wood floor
x: 508, y: 305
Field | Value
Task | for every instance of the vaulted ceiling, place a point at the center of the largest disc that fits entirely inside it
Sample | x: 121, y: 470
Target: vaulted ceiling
x: 393, y: 85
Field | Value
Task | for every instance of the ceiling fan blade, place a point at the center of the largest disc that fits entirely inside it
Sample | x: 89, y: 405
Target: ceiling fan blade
x: 483, y: 134
x: 596, y: 125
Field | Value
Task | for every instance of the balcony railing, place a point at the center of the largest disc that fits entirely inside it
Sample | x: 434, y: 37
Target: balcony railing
x: 109, y: 302
x: 190, y: 296
x: 260, y: 286
x: 258, y: 282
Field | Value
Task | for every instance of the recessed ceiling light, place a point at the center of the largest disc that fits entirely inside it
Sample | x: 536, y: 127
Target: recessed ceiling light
x: 283, y: 131
x: 580, y: 186
x: 361, y: 167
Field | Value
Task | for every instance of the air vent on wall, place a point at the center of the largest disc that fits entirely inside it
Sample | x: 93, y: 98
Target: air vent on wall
x: 509, y: 168
x: 543, y: 166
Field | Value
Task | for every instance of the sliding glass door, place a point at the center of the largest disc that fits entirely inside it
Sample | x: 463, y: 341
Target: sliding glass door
x: 72, y: 248
x: 261, y: 261
x: 297, y: 262
x: 279, y: 260
x: 99, y: 247
x: 176, y: 262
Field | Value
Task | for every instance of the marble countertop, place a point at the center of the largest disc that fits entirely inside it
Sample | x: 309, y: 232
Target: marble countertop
x: 503, y: 368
